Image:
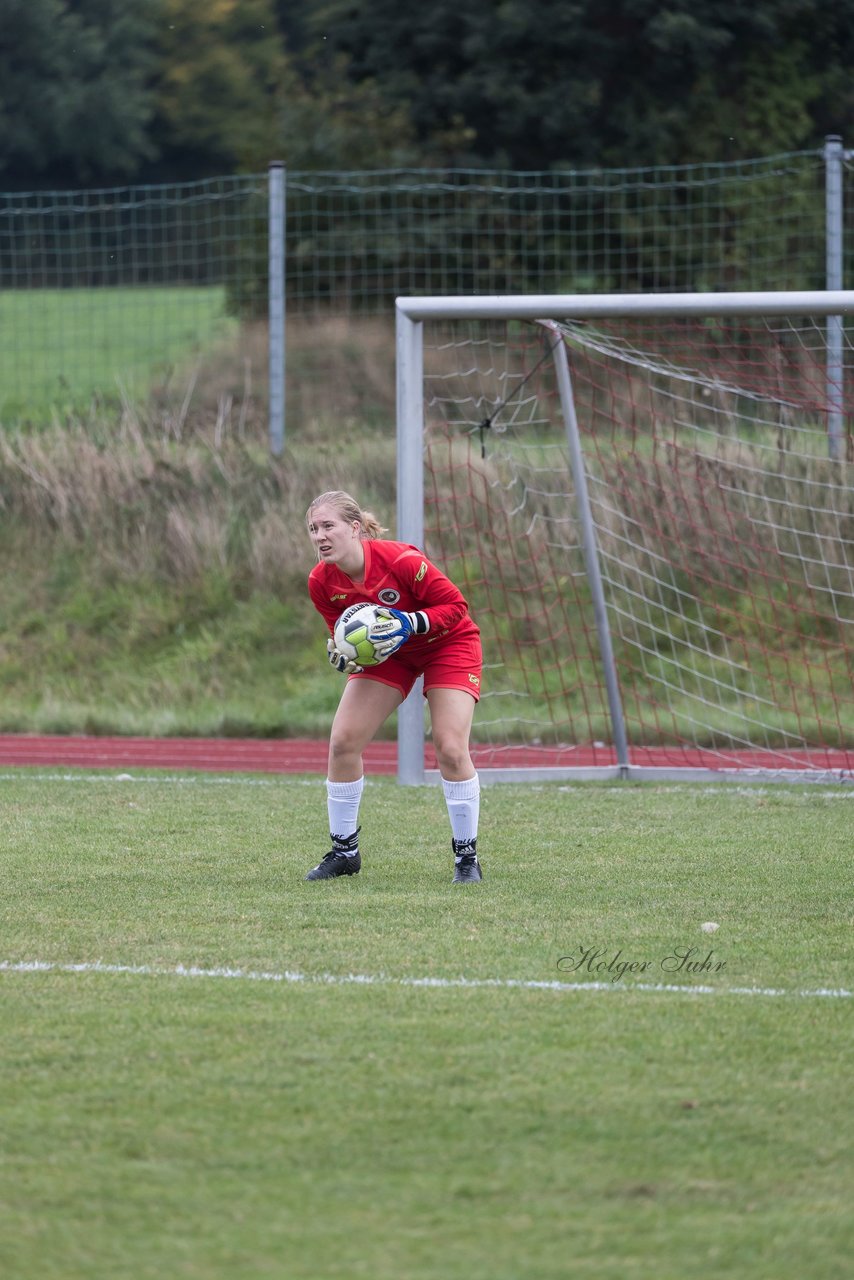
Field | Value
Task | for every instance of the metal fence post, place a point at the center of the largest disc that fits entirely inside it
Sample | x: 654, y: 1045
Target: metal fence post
x: 276, y: 304
x: 834, y: 156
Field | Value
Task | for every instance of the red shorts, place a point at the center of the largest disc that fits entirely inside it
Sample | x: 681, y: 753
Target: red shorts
x: 454, y: 664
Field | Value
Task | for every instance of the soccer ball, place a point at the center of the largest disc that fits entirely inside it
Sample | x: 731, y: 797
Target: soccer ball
x: 360, y: 631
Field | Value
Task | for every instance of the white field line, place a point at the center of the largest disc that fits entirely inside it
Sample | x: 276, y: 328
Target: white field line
x: 383, y: 980
x: 202, y: 779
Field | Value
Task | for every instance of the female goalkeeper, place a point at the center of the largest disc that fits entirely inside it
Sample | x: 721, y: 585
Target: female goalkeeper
x: 436, y: 638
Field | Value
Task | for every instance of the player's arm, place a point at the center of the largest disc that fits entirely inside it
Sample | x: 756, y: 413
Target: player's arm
x: 326, y: 609
x: 441, y: 603
x: 322, y: 604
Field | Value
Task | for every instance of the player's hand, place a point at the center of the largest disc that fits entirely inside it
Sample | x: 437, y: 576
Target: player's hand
x: 340, y: 661
x: 406, y: 624
x: 391, y: 641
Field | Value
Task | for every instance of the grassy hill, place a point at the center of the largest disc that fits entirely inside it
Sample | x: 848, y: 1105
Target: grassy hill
x: 154, y: 556
x: 153, y: 563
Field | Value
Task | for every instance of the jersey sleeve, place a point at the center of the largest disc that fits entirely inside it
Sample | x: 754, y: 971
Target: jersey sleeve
x: 433, y: 592
x: 321, y: 603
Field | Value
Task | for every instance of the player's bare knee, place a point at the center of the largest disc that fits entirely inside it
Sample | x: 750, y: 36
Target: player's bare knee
x: 451, y: 754
x: 344, y: 744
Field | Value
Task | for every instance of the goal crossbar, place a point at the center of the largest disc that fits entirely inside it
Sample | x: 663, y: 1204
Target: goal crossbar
x: 581, y: 306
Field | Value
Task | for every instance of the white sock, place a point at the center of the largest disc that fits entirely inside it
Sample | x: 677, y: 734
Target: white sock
x: 463, y: 801
x: 342, y: 803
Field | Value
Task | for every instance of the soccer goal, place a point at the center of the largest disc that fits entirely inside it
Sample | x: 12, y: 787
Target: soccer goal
x: 649, y: 504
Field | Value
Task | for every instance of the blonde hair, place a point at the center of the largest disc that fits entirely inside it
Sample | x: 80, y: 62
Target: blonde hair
x: 349, y: 510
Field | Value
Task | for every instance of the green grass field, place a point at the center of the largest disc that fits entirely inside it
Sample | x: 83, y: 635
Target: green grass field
x: 63, y: 348
x: 219, y: 1091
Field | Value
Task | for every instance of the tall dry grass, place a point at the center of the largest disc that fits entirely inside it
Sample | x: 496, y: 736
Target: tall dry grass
x: 185, y: 483
x: 721, y: 541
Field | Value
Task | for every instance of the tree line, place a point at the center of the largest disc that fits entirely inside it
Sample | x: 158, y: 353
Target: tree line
x: 96, y: 92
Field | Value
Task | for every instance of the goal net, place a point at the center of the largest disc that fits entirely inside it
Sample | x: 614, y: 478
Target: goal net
x: 649, y: 504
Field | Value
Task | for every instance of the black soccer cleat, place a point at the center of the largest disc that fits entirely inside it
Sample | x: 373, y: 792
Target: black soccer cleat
x: 466, y: 866
x: 335, y: 864
x: 343, y: 859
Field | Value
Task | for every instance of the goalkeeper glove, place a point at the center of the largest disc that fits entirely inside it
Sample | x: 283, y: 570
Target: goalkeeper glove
x: 411, y: 624
x: 408, y: 624
x: 340, y: 661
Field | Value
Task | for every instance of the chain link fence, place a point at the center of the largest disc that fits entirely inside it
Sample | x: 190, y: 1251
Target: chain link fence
x: 357, y: 240
x: 104, y: 294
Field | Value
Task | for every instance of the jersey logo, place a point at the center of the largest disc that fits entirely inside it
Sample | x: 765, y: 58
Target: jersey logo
x: 388, y: 596
x: 339, y: 595
x: 420, y: 574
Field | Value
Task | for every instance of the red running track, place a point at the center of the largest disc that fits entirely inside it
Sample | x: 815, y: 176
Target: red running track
x: 304, y: 755
x: 217, y: 755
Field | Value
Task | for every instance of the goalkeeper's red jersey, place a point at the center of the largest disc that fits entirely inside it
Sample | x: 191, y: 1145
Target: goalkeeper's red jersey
x: 401, y: 576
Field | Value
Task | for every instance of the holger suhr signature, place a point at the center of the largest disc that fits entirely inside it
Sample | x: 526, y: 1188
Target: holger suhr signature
x: 601, y: 961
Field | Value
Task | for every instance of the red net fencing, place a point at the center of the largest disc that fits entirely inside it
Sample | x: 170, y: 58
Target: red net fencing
x: 724, y: 531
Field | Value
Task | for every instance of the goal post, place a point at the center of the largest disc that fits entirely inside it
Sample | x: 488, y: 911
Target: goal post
x: 649, y: 502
